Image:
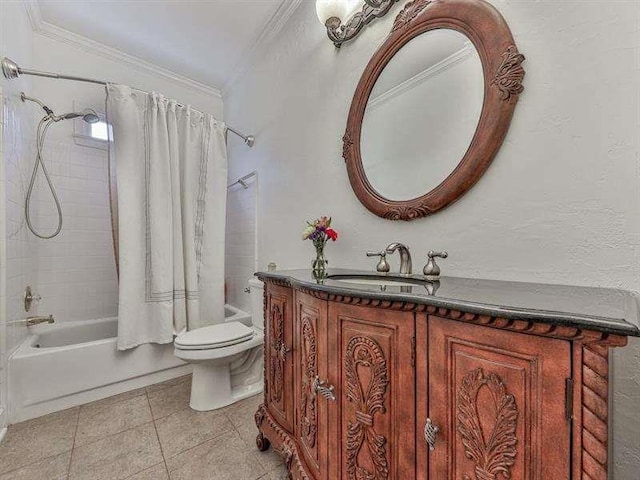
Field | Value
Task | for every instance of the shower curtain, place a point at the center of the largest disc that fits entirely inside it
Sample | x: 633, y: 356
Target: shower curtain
x: 171, y: 170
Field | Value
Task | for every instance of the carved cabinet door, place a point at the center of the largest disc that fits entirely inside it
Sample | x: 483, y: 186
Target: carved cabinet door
x: 373, y: 415
x: 310, y: 357
x: 278, y: 354
x: 499, y: 399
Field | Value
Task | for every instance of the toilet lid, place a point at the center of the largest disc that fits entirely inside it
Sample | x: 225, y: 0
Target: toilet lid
x: 215, y: 336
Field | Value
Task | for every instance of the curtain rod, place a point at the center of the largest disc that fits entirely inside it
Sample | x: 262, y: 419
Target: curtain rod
x: 11, y: 70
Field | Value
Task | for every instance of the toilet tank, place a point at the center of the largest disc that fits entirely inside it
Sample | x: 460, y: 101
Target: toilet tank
x: 256, y: 288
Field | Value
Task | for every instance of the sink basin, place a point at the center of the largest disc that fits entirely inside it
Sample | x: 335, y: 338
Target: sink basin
x: 378, y: 281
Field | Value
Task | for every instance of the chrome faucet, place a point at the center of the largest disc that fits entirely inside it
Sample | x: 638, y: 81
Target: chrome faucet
x: 38, y: 320
x: 405, y: 257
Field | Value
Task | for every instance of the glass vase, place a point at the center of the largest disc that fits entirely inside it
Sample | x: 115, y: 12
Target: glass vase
x: 319, y: 264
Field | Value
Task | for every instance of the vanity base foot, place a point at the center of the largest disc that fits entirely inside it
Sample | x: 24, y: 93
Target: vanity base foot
x: 262, y: 442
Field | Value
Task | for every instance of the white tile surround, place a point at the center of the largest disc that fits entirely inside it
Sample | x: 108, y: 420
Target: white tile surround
x: 18, y: 248
x: 241, y: 240
x: 73, y: 272
x: 76, y: 270
x: 21, y: 246
x: 3, y: 282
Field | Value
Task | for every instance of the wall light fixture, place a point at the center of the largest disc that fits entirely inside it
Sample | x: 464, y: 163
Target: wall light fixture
x: 332, y: 13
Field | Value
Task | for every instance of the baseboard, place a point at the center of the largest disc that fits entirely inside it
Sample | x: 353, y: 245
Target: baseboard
x: 21, y: 414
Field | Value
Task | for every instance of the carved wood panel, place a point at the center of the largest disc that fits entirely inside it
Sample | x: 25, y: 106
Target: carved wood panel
x: 493, y: 447
x: 499, y: 399
x: 371, y: 364
x: 367, y: 381
x: 310, y: 361
x: 278, y: 346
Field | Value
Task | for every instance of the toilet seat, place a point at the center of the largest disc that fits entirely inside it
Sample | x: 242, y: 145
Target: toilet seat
x: 214, y: 336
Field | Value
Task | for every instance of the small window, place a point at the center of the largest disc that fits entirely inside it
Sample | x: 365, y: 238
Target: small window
x: 100, y: 130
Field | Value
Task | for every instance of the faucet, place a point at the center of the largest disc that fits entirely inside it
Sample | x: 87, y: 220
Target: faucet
x: 405, y: 257
x: 38, y: 320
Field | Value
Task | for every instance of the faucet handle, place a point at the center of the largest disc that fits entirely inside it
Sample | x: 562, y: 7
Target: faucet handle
x: 383, y: 265
x: 431, y: 270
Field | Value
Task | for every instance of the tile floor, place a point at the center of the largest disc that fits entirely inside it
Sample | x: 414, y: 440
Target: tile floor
x: 146, y: 434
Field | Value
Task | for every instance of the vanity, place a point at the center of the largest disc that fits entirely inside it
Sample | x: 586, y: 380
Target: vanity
x: 380, y: 376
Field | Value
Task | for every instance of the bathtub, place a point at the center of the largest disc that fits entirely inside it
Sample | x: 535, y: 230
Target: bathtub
x: 71, y: 363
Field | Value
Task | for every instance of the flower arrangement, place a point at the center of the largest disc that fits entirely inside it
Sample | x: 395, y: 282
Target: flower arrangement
x: 320, y: 232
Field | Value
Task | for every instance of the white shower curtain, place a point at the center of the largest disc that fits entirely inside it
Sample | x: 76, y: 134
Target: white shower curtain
x: 171, y: 170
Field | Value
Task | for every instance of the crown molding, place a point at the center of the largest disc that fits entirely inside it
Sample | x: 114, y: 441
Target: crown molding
x: 54, y: 32
x: 269, y: 33
x: 422, y: 76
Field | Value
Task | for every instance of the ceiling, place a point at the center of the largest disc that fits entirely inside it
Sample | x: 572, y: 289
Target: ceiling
x: 209, y: 41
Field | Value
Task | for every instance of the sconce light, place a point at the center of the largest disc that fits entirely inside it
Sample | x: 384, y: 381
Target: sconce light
x: 333, y: 12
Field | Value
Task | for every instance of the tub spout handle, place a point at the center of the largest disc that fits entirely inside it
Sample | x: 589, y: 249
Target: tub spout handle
x: 38, y: 320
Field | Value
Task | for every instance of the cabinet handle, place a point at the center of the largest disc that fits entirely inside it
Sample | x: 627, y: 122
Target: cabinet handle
x: 321, y: 387
x: 283, y: 350
x: 430, y: 433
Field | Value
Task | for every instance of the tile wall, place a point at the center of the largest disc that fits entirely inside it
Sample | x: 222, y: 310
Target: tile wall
x: 21, y: 246
x: 76, y: 269
x: 17, y: 249
x: 3, y: 283
x: 241, y: 238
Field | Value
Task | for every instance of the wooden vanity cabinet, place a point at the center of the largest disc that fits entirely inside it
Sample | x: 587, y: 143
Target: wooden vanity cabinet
x: 311, y: 358
x: 341, y: 400
x: 355, y: 388
x: 372, y: 366
x: 501, y: 400
x: 278, y: 344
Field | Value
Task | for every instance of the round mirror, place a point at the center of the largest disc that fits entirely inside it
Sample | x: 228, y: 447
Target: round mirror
x: 432, y: 107
x: 422, y: 114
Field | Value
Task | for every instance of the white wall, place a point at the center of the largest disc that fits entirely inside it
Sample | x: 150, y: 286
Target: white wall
x: 17, y: 262
x: 560, y: 203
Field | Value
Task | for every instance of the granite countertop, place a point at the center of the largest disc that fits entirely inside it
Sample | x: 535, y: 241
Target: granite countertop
x: 606, y: 310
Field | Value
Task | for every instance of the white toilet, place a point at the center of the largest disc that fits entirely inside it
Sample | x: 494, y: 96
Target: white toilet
x: 227, y: 357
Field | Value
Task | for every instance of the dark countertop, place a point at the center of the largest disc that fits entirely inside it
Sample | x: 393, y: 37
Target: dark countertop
x: 601, y: 309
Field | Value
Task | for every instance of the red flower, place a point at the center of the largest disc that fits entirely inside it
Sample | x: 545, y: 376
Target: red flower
x: 332, y: 234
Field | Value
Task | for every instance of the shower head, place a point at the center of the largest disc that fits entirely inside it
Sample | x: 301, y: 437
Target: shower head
x: 88, y: 115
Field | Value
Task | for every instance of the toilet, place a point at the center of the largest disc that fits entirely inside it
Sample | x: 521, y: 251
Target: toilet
x: 227, y: 357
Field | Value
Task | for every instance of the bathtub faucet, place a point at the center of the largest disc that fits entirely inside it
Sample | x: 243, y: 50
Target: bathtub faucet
x: 37, y: 320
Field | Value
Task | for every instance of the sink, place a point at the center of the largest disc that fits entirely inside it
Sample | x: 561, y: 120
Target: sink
x: 378, y: 281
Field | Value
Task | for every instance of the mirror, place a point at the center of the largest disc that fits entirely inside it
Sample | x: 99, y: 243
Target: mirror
x: 432, y: 107
x: 421, y: 115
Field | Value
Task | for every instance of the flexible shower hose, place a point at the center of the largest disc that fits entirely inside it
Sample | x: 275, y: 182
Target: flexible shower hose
x: 43, y: 126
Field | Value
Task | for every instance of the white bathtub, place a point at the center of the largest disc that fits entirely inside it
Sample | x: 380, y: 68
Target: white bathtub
x: 71, y: 363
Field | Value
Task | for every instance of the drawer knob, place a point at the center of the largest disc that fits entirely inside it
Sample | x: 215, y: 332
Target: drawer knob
x: 430, y: 433
x: 321, y: 387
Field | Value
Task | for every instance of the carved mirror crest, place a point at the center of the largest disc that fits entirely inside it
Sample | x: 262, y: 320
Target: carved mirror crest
x: 432, y: 107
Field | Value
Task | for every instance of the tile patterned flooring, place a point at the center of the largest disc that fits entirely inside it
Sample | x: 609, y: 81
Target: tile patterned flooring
x: 146, y: 434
